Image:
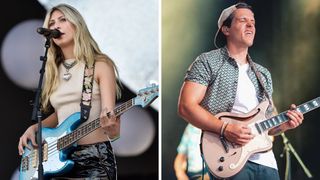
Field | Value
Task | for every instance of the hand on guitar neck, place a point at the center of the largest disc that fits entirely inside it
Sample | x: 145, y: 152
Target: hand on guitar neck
x: 295, y: 119
x: 295, y: 116
x: 110, y: 122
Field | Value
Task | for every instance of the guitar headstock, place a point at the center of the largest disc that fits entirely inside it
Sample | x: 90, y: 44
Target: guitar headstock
x: 147, y: 95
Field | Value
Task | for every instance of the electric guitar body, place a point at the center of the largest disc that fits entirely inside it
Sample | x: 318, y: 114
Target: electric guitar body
x: 225, y: 159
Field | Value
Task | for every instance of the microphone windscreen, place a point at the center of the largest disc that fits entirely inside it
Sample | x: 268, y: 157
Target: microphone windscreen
x: 55, y: 33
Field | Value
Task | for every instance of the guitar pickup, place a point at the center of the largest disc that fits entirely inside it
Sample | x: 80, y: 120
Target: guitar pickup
x: 45, y: 152
x: 34, y: 160
x: 25, y: 163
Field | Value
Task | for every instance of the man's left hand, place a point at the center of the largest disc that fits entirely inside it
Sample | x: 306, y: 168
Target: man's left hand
x: 295, y: 118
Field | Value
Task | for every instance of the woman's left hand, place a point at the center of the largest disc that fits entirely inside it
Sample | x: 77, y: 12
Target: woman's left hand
x: 110, y: 123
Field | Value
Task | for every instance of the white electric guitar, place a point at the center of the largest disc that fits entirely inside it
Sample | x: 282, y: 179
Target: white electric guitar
x: 225, y: 159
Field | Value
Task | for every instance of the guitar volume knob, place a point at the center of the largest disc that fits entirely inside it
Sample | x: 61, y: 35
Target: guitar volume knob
x: 220, y: 168
x: 221, y: 159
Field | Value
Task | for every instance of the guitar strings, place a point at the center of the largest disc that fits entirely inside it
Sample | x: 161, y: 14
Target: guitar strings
x: 51, y: 149
x: 52, y: 145
x: 50, y: 153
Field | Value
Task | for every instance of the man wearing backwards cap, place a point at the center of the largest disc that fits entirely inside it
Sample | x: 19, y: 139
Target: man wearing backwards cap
x: 223, y: 80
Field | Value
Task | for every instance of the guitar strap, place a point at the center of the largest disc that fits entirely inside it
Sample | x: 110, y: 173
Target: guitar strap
x: 270, y: 107
x: 87, y: 86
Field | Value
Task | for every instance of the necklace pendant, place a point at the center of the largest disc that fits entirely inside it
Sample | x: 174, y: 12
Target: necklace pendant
x: 67, y: 76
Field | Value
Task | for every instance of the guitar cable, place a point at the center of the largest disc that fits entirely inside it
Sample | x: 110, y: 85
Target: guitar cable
x: 202, y: 177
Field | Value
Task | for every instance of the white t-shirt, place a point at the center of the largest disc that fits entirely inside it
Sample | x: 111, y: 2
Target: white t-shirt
x: 246, y: 100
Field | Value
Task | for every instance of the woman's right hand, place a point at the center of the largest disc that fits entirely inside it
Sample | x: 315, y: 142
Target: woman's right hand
x: 29, y: 134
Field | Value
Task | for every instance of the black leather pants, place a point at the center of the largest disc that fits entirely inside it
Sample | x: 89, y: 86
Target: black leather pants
x: 95, y: 161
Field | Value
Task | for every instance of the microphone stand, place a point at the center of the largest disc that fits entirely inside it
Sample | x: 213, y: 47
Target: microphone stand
x: 287, y: 149
x: 36, y: 112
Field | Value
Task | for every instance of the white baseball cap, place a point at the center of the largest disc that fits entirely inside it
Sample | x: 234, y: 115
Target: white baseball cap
x: 224, y: 16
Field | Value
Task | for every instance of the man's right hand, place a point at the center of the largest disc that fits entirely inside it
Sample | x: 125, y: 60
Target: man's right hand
x: 238, y: 134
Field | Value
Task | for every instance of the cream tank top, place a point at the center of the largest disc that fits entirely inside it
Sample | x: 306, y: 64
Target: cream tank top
x: 67, y: 97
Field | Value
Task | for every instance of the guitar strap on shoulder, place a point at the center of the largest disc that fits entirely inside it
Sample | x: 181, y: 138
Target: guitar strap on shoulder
x: 87, y: 86
x: 270, y: 107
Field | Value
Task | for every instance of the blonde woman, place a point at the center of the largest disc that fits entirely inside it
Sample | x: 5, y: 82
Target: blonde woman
x: 67, y: 58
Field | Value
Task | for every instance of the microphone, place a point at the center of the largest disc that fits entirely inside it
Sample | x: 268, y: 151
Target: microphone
x: 51, y: 33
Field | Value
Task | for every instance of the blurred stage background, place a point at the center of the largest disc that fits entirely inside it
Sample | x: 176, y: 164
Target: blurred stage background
x: 287, y: 43
x: 125, y: 30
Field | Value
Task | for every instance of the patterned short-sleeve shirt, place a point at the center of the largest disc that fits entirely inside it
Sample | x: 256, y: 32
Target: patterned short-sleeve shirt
x: 219, y: 72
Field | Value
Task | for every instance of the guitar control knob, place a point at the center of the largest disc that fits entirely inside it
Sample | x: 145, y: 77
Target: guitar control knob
x: 220, y: 168
x: 221, y: 159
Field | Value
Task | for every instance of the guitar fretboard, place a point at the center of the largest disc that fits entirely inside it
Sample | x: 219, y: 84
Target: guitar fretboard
x: 77, y: 134
x: 282, y: 117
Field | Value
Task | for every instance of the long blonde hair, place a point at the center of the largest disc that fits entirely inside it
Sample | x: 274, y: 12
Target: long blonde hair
x: 85, y: 48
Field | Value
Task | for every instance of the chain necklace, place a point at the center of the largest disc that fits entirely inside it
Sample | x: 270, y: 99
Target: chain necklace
x: 67, y: 75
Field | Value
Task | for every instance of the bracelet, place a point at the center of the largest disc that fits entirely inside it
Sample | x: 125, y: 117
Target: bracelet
x: 222, y: 128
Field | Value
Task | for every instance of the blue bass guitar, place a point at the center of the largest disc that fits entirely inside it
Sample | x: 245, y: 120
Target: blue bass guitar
x: 58, y: 142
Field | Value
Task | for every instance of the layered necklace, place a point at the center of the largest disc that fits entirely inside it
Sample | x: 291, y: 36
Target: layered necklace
x: 67, y: 75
